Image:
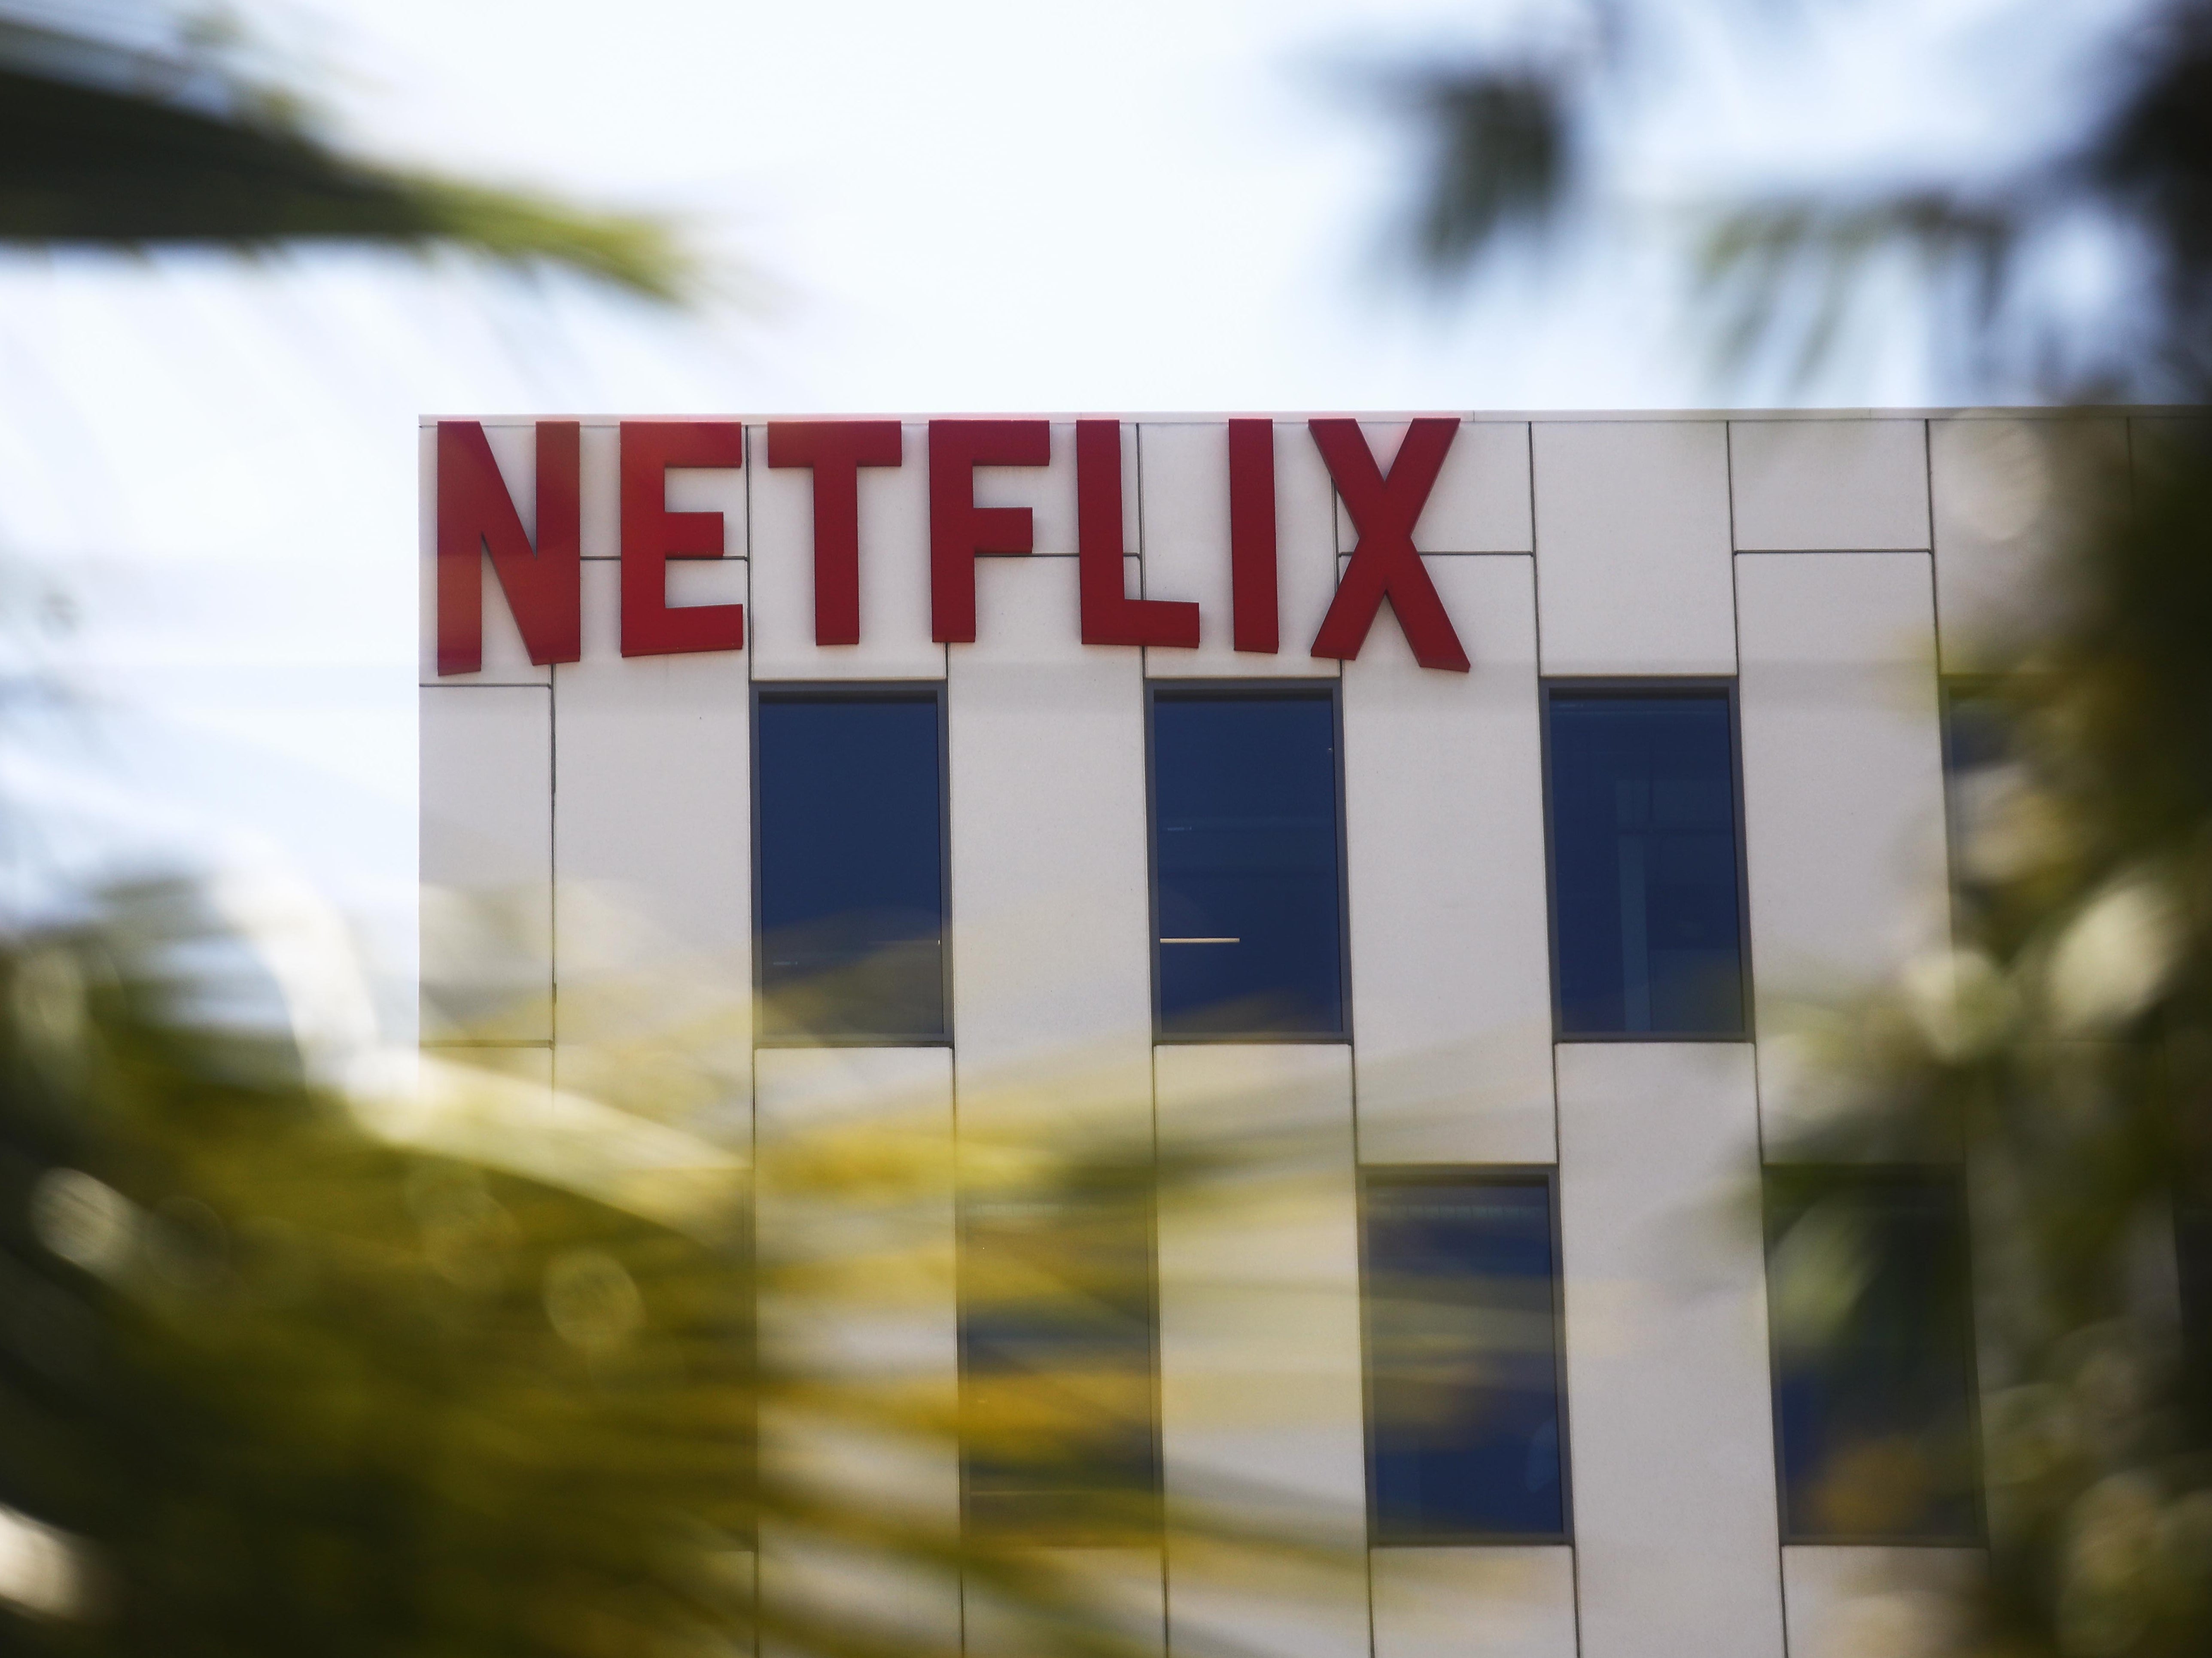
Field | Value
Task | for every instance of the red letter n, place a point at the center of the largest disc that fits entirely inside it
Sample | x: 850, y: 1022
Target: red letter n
x: 543, y: 583
x: 958, y: 528
x: 834, y: 451
x: 1383, y: 562
x: 1110, y: 616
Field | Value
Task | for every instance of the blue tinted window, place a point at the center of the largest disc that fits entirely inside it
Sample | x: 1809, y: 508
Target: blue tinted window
x: 1462, y: 1353
x: 1977, y: 726
x: 1056, y: 1323
x: 1874, y: 1375
x: 1244, y: 854
x: 1644, y: 891
x: 852, y: 867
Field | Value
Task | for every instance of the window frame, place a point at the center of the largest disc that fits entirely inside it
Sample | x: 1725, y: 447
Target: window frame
x: 1545, y: 1174
x: 1923, y: 1174
x: 854, y: 690
x: 1628, y: 687
x: 1230, y: 689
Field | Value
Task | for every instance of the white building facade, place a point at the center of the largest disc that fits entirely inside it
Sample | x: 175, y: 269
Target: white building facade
x: 1807, y: 581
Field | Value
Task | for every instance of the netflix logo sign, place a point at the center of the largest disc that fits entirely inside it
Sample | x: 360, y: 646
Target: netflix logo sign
x: 480, y: 530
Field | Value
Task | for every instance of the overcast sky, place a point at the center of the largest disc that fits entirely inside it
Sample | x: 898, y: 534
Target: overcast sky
x: 972, y: 205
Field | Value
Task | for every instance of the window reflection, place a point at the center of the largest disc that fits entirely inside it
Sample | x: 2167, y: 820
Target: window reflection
x: 1056, y: 1339
x: 1874, y: 1375
x: 1462, y: 1345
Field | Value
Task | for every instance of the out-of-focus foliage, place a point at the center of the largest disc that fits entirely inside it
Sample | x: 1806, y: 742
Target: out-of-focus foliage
x: 2065, y: 1049
x: 2060, y: 1054
x: 296, y: 1372
x: 305, y: 1357
x: 104, y: 143
x: 1502, y: 156
x: 1520, y: 136
x: 285, y: 1383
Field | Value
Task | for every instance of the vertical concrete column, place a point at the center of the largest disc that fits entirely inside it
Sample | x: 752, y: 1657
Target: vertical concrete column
x: 1444, y: 808
x: 1843, y: 814
x: 1444, y: 818
x: 1669, y: 1410
x: 1050, y: 905
x: 487, y: 864
x: 486, y: 855
x: 857, y: 1304
x: 1260, y: 1389
x: 1842, y: 783
x: 1050, y: 899
x: 653, y: 858
x: 1259, y: 1275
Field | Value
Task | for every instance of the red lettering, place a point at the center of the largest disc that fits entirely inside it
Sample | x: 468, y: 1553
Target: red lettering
x: 959, y: 530
x: 1252, y: 585
x: 652, y: 534
x: 835, y: 450
x: 543, y: 585
x: 1110, y: 616
x: 1384, y: 564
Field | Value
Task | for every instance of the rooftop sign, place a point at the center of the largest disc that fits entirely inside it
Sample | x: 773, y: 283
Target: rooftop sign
x: 541, y: 579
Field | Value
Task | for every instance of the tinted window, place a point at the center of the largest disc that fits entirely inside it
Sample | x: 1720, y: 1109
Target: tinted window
x: 1978, y: 777
x: 1873, y: 1377
x: 2192, y: 1238
x: 1644, y: 864
x: 1462, y: 1345
x: 1977, y: 726
x: 1056, y: 1353
x: 852, y: 867
x: 1244, y: 854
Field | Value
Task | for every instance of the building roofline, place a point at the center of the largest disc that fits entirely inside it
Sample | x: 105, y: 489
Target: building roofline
x: 1517, y: 417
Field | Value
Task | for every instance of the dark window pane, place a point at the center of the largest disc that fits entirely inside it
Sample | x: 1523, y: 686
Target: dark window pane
x: 1462, y: 1345
x: 1245, y: 851
x: 1874, y: 1373
x: 1977, y: 726
x: 1056, y: 1357
x: 1977, y: 746
x: 1644, y: 865
x: 852, y: 867
x: 2192, y: 1238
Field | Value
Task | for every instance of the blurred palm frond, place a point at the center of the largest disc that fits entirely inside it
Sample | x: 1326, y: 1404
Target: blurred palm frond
x: 98, y: 149
x: 1511, y: 148
x: 1782, y: 276
x: 1503, y: 159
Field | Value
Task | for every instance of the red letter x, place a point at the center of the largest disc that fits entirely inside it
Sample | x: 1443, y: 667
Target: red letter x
x: 1383, y: 562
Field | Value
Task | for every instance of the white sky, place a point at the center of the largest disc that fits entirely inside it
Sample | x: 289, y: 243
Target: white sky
x: 1012, y: 204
